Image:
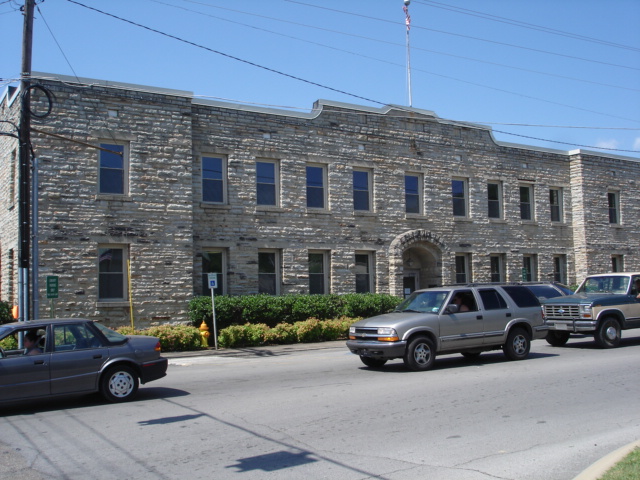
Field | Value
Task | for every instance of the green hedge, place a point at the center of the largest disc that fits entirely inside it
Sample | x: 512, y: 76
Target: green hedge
x: 5, y: 313
x: 173, y: 338
x: 274, y: 310
x: 307, y: 331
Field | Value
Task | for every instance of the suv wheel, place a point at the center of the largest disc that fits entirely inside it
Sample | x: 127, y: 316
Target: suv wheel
x: 608, y: 333
x: 557, y: 339
x: 518, y: 344
x: 420, y: 354
x: 373, y: 362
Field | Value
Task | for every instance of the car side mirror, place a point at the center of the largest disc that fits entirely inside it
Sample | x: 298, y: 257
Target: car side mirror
x: 452, y: 308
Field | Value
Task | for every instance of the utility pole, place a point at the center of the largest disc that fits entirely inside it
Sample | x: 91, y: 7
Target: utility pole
x: 25, y: 163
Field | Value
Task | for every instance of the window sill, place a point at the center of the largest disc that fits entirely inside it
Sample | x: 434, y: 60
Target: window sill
x: 462, y: 219
x: 268, y: 208
x: 223, y: 206
x: 616, y: 226
x: 415, y: 216
x: 497, y: 220
x: 114, y: 304
x: 113, y: 198
x: 318, y: 211
x: 529, y: 222
x: 364, y: 213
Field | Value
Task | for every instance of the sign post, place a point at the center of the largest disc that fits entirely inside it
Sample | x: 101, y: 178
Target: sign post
x: 213, y: 284
x: 52, y: 293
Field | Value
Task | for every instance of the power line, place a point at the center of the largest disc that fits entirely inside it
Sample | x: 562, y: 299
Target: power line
x: 253, y: 64
x: 352, y: 35
x: 531, y: 26
x: 573, y: 57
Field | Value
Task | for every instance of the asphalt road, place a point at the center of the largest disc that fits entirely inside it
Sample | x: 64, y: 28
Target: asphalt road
x: 286, y: 414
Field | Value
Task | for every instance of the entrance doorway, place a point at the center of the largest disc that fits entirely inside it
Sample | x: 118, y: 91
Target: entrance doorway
x: 421, y: 268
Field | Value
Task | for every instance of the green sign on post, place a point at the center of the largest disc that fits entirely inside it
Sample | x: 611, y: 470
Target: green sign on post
x: 52, y: 286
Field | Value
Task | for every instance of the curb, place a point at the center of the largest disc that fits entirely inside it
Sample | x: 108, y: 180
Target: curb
x: 599, y: 468
x: 266, y: 351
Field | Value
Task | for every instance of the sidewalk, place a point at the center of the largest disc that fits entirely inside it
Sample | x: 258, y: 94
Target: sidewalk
x: 593, y: 472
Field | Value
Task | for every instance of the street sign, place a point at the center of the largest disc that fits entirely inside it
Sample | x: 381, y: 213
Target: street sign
x: 213, y: 280
x: 52, y: 286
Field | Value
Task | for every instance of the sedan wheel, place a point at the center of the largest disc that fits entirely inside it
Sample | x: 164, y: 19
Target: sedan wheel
x: 119, y: 384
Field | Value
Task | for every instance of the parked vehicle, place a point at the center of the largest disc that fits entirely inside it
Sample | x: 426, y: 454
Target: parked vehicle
x: 74, y: 356
x: 467, y: 319
x: 544, y: 290
x: 603, y: 305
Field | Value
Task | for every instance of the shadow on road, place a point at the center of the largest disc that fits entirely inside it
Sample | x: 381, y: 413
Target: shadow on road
x: 72, y: 402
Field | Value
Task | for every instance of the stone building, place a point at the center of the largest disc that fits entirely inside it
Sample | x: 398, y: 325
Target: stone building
x: 342, y: 199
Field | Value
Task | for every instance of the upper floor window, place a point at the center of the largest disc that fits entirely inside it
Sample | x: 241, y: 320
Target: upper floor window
x: 267, y: 182
x: 362, y: 190
x: 111, y: 273
x: 614, y: 207
x: 526, y: 202
x: 316, y: 191
x: 113, y: 169
x: 318, y: 272
x: 412, y: 193
x: 555, y: 204
x: 213, y: 179
x: 268, y: 272
x: 364, y: 279
x: 459, y: 196
x: 494, y: 199
x: 213, y: 261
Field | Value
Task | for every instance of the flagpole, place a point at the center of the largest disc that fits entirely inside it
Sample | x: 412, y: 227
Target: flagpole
x: 408, y: 23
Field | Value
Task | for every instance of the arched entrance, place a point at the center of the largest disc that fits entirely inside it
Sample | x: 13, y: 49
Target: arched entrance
x: 416, y: 262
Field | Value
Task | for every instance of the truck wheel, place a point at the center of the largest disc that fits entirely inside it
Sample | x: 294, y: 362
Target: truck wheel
x: 557, y: 339
x: 420, y: 354
x: 608, y: 333
x: 518, y: 344
x: 373, y: 362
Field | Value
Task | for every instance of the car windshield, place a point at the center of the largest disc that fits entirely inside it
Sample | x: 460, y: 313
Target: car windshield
x: 423, y: 302
x: 608, y: 284
x: 112, y: 335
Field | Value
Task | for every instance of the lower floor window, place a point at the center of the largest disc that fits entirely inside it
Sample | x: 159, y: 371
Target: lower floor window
x: 111, y: 276
x: 497, y: 268
x: 463, y: 268
x: 213, y: 263
x: 529, y: 268
x: 318, y: 278
x: 268, y: 265
x: 363, y: 269
x: 560, y: 268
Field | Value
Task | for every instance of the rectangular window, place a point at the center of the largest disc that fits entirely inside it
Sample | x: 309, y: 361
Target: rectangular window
x: 529, y: 268
x: 560, y: 268
x: 213, y: 261
x: 267, y: 182
x: 614, y: 207
x: 268, y: 272
x: 316, y: 180
x: 459, y: 196
x: 412, y: 193
x: 555, y: 204
x: 112, y: 273
x: 463, y: 268
x: 617, y: 263
x: 113, y: 169
x: 497, y: 267
x: 213, y: 179
x: 318, y: 277
x: 362, y: 190
x: 363, y: 269
x: 494, y: 199
x: 526, y: 202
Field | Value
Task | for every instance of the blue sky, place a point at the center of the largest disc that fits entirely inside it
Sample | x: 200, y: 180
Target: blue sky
x: 559, y: 74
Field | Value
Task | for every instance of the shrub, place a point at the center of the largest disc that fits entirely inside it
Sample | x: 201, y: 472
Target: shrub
x: 173, y: 338
x: 5, y: 313
x: 273, y: 310
x: 233, y: 336
x: 309, y: 330
x: 336, y: 329
x: 283, y: 334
